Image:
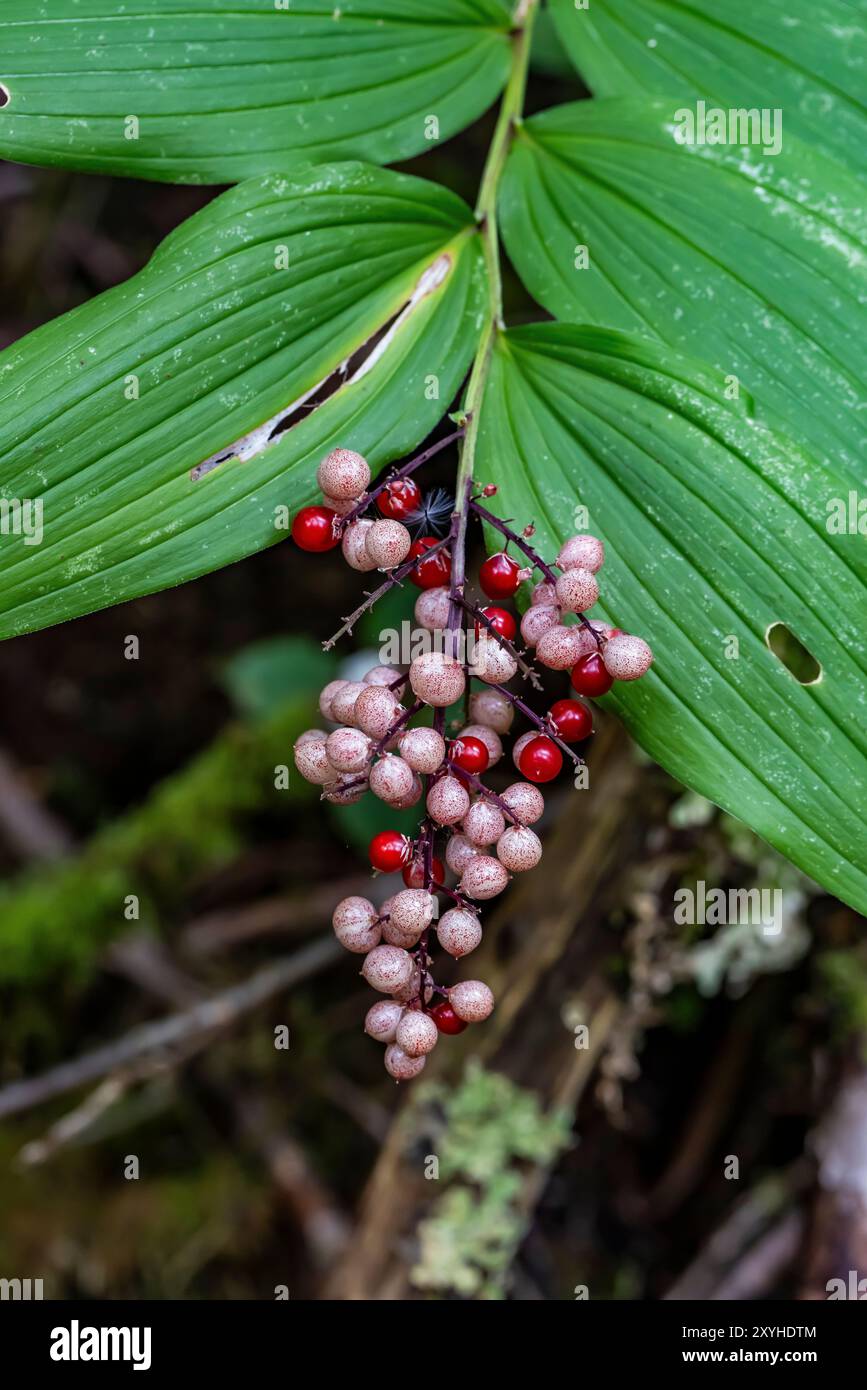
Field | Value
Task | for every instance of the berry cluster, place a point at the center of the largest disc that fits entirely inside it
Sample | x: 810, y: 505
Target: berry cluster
x: 373, y: 744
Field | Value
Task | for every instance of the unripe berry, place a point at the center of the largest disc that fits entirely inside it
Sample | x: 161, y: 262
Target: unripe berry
x: 581, y: 552
x: 491, y: 662
x: 459, y: 931
x: 412, y: 989
x: 381, y: 675
x: 348, y: 750
x: 424, y: 749
x: 627, y: 658
x: 389, y: 850
x: 537, y: 621
x: 343, y: 474
x: 488, y: 737
x: 544, y: 594
x: 492, y: 709
x: 345, y: 791
x: 311, y: 736
x: 520, y: 744
x: 525, y: 802
x: 312, y: 762
x: 484, y: 823
x: 391, y: 778
x: 519, y: 849
x: 446, y: 1019
x: 411, y: 797
x: 432, y: 609
x: 355, y: 924
x: 437, y: 679
x: 560, y: 647
x: 382, y: 1018
x: 499, y: 619
x: 484, y: 877
x: 395, y: 935
x: 413, y: 874
x: 327, y: 696
x: 375, y: 710
x: 590, y: 676
x: 541, y: 760
x: 470, y: 754
x: 401, y: 1067
x: 417, y: 1034
x: 572, y: 720
x: 398, y: 498
x: 343, y: 702
x: 313, y: 529
x: 459, y: 851
x: 387, y: 968
x: 499, y: 576
x: 448, y: 801
x: 577, y: 591
x: 431, y: 570
x: 412, y: 909
x: 471, y: 1000
x: 354, y: 546
x: 387, y: 544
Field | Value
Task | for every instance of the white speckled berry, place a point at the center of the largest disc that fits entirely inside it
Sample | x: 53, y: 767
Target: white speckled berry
x: 311, y: 736
x: 326, y: 699
x: 627, y: 658
x: 343, y: 702
x: 539, y: 620
x: 348, y: 750
x: 525, y: 802
x: 483, y: 877
x: 346, y: 790
x: 459, y: 931
x: 391, y: 778
x: 519, y: 849
x: 423, y: 749
x: 520, y: 744
x: 382, y: 1018
x: 489, y: 737
x: 432, y: 609
x: 381, y: 675
x: 448, y: 801
x: 343, y: 474
x: 484, y: 823
x: 411, y: 797
x: 387, y: 968
x: 417, y: 1034
x: 401, y: 1067
x: 459, y: 852
x: 354, y: 547
x: 577, y: 591
x: 493, y: 710
x: 471, y: 1000
x: 412, y: 909
x: 355, y: 924
x: 387, y: 543
x: 560, y: 647
x: 411, y: 989
x: 399, y: 936
x: 490, y: 661
x: 312, y: 762
x: 544, y: 594
x: 375, y: 710
x: 581, y: 552
x: 437, y: 679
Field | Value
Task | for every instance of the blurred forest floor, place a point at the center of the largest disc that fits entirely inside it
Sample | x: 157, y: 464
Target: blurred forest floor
x: 653, y: 1111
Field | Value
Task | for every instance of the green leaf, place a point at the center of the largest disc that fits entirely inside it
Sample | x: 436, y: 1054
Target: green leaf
x: 755, y: 264
x: 106, y: 412
x: 715, y: 528
x: 806, y: 57
x: 217, y: 92
x: 267, y: 674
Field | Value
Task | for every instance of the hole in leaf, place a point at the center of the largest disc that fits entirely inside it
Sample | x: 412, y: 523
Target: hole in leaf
x: 794, y: 655
x: 4, y: 95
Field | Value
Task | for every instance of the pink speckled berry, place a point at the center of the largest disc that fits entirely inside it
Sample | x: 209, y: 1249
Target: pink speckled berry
x: 525, y: 802
x: 387, y: 543
x: 348, y: 750
x: 312, y: 762
x: 411, y: 797
x: 391, y: 778
x: 387, y: 968
x: 417, y: 1034
x: 382, y: 1018
x: 519, y: 849
x: 343, y: 702
x: 355, y: 924
x: 375, y: 710
x: 581, y: 552
x: 354, y: 546
x: 381, y: 675
x: 626, y: 658
x: 411, y: 989
x: 459, y: 852
x: 493, y: 710
x: 401, y: 1067
x: 345, y: 791
x: 343, y: 474
x: 484, y: 823
x: 423, y: 749
x: 311, y: 736
x: 483, y: 877
x: 489, y: 737
x: 399, y: 936
x: 520, y: 744
x: 432, y: 608
x: 459, y: 931
x: 491, y: 662
x: 560, y: 647
x: 448, y: 801
x: 327, y: 697
x: 412, y: 909
x: 544, y: 594
x: 471, y: 1000
x: 577, y: 591
x: 437, y: 679
x: 539, y: 620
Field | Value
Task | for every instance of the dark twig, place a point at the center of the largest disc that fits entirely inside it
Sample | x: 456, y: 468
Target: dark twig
x: 396, y: 473
x: 543, y: 725
x: 523, y: 666
x: 397, y: 575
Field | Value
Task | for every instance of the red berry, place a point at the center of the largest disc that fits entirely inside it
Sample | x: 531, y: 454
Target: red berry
x: 541, y: 760
x: 413, y: 874
x: 589, y: 676
x: 446, y: 1019
x: 399, y: 498
x: 498, y: 575
x: 469, y: 754
x: 435, y: 570
x: 389, y: 850
x: 312, y: 529
x: 571, y: 719
x: 501, y: 621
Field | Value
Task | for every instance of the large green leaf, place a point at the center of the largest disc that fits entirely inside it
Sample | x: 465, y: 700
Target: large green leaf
x: 758, y: 265
x: 806, y: 57
x: 715, y: 530
x: 244, y: 310
x: 210, y: 91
